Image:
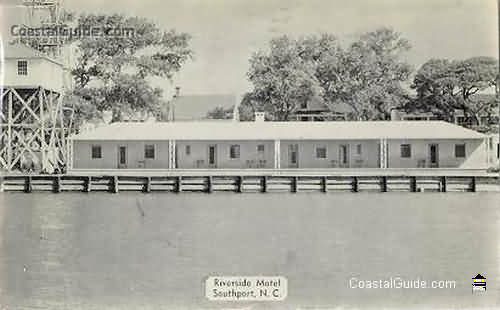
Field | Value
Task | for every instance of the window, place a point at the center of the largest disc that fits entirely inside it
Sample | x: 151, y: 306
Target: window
x: 96, y: 152
x: 149, y: 151
x: 321, y: 152
x: 260, y: 148
x: 234, y: 151
x: 460, y: 150
x: 358, y: 149
x: 188, y: 149
x: 22, y: 67
x: 405, y: 150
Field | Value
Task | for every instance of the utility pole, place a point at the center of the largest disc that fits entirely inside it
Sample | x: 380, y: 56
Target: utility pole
x: 173, y: 103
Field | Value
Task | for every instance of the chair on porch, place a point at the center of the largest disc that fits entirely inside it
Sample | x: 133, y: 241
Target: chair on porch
x: 421, y: 163
x: 358, y: 163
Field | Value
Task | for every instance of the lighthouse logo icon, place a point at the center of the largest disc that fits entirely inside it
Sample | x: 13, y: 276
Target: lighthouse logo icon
x: 478, y: 283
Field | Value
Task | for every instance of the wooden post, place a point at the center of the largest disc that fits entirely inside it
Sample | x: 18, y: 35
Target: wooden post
x: 239, y: 184
x: 171, y: 156
x: 473, y: 184
x: 42, y: 128
x: 172, y: 163
x: 28, y: 186
x: 87, y: 184
x: 147, y: 187
x: 69, y: 155
x: 115, y: 186
x: 174, y: 154
x: 355, y: 184
x: 324, y: 184
x: 1, y: 184
x: 178, y: 184
x: 443, y: 184
x: 294, y: 184
x: 381, y: 153
x: 383, y: 184
x: 413, y: 184
x: 277, y: 154
x: 386, y: 152
x: 57, y: 184
x: 9, y: 134
x: 263, y: 184
x: 209, y: 184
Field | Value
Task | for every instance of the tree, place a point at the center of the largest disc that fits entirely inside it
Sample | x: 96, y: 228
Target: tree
x: 448, y: 85
x: 248, y: 106
x: 82, y: 110
x: 367, y: 75
x: 282, y: 80
x: 116, y: 70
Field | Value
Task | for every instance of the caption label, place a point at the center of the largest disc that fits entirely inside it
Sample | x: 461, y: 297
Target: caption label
x: 232, y: 288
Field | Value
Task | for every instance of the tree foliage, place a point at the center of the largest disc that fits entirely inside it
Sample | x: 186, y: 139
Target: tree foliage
x: 366, y: 75
x: 116, y: 70
x: 447, y: 85
x: 282, y: 79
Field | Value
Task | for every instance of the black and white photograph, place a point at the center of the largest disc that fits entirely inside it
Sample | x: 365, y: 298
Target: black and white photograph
x: 237, y: 154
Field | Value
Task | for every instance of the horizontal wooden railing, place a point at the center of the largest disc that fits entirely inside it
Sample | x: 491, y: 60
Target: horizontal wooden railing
x: 242, y: 183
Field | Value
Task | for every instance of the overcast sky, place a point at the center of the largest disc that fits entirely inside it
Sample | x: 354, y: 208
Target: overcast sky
x: 226, y: 32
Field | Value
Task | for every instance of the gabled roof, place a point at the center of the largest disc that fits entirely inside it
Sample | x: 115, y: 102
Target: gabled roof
x: 19, y: 51
x: 280, y: 130
x: 195, y: 107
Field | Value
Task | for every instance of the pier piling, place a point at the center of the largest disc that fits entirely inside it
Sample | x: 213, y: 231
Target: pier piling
x: 355, y: 184
x: 413, y: 184
x: 57, y: 184
x: 264, y: 184
x: 383, y: 184
x: 443, y: 184
x: 28, y: 185
x: 324, y: 184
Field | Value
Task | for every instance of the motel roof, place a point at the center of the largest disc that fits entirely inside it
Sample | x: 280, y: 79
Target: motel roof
x: 355, y: 130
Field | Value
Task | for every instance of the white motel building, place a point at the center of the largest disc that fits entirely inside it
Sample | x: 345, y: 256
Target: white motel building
x: 280, y: 145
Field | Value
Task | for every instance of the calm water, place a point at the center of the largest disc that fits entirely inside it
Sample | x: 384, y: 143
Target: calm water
x: 135, y: 251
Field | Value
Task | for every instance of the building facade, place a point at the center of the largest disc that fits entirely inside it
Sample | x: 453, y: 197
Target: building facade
x: 279, y: 145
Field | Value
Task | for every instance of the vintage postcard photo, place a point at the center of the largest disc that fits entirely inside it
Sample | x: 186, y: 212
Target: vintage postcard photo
x: 237, y: 154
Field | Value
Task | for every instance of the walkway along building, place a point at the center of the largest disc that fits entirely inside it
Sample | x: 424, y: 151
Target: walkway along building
x: 275, y: 145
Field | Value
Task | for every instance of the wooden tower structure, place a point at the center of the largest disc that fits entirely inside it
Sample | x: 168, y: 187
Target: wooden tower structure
x: 33, y: 122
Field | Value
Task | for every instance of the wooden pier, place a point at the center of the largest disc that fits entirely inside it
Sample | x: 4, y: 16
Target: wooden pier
x: 247, y: 183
